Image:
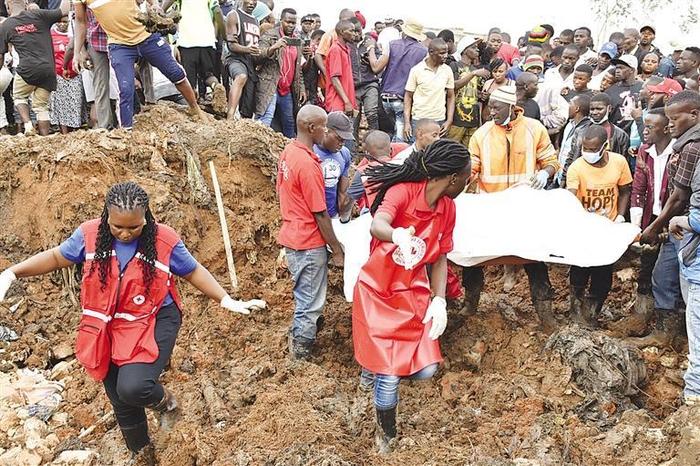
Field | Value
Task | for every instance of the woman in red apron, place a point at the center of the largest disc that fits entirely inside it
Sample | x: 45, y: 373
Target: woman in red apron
x: 130, y: 306
x: 399, y: 309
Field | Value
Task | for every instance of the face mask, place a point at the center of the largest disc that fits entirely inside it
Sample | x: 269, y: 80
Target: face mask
x: 593, y: 157
x: 602, y: 120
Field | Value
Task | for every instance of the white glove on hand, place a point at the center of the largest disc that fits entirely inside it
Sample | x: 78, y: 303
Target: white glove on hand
x: 437, y: 312
x: 620, y: 219
x: 6, y: 279
x: 540, y: 179
x: 636, y: 216
x: 242, y: 307
x: 402, y: 238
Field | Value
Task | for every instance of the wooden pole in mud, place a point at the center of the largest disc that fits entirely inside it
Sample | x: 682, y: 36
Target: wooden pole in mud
x: 224, y: 227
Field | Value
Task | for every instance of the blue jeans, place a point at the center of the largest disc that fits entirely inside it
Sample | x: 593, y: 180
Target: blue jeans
x: 386, y: 387
x: 395, y: 107
x: 665, y: 279
x: 285, y: 105
x: 309, y: 271
x: 156, y: 51
x: 691, y: 294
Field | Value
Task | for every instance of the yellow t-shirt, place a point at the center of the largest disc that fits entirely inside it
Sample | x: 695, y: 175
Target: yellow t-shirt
x: 429, y: 87
x: 598, y: 188
x: 118, y: 19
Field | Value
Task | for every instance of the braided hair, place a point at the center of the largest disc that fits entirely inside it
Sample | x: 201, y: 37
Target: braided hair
x: 442, y: 158
x: 128, y: 197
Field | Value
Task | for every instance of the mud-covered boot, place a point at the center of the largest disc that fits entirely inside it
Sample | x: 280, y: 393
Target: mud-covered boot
x: 548, y: 322
x: 590, y: 308
x: 576, y: 309
x: 299, y: 349
x: 669, y: 325
x: 139, y: 444
x: 636, y: 323
x: 472, y: 295
x: 168, y: 410
x: 385, y: 436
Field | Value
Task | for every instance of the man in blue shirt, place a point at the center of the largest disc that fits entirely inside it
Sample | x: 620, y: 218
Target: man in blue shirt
x: 335, y: 164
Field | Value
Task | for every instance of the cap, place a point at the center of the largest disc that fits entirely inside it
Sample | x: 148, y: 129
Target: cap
x: 627, y: 60
x: 668, y: 86
x: 463, y: 44
x: 413, y: 28
x: 308, y: 18
x: 341, y: 124
x: 361, y: 18
x: 651, y: 28
x: 609, y: 49
x: 505, y: 94
x: 533, y: 61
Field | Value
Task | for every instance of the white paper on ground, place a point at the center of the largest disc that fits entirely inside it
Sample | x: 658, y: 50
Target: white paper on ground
x: 547, y: 226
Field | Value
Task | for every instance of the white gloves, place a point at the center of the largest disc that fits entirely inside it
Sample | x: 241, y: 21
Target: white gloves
x: 437, y: 312
x: 242, y: 307
x: 402, y: 238
x: 636, y: 216
x: 540, y: 179
x: 6, y: 279
x: 620, y: 219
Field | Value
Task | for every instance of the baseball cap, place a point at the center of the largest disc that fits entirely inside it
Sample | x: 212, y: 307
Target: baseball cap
x: 341, y: 124
x: 627, y: 60
x: 609, y: 49
x: 668, y: 86
x: 651, y: 28
x: 307, y: 19
x: 463, y: 44
x: 533, y: 61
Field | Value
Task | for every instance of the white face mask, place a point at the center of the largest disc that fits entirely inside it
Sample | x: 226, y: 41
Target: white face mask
x: 593, y: 157
x: 602, y: 120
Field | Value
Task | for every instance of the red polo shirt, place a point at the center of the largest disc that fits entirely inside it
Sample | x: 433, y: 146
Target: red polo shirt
x: 301, y: 193
x: 338, y: 65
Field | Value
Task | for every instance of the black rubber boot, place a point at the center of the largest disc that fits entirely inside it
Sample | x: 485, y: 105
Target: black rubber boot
x: 168, y: 410
x: 548, y: 322
x: 385, y: 437
x: 299, y: 349
x: 136, y: 436
x: 472, y: 293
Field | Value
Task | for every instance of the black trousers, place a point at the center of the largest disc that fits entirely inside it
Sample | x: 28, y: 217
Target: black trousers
x: 537, y: 274
x: 600, y: 279
x: 132, y: 387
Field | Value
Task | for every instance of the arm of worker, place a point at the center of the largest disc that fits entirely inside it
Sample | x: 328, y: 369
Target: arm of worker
x: 463, y: 81
x: 450, y: 112
x: 323, y: 221
x: 547, y: 159
x: 623, y: 202
x: 320, y: 63
x: 407, y: 109
x: 344, y: 200
x: 378, y: 64
x: 357, y: 188
x: 39, y: 264
x: 678, y: 226
x: 674, y: 206
x: 271, y: 44
x: 80, y: 55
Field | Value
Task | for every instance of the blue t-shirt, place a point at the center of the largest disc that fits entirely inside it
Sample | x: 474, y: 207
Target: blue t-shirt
x: 334, y: 166
x: 181, y: 261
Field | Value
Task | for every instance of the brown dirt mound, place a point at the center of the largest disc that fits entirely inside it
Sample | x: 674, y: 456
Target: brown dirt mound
x: 499, y: 399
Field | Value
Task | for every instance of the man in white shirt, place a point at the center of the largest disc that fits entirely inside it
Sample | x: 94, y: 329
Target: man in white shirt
x: 582, y: 39
x: 563, y: 75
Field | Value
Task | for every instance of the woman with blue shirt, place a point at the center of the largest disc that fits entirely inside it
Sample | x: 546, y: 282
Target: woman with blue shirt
x: 131, y: 311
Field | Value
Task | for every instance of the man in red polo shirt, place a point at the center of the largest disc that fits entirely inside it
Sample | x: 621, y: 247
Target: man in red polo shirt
x: 340, y: 86
x: 306, y: 228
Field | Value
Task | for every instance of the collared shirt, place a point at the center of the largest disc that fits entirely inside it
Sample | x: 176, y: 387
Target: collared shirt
x: 95, y: 34
x: 660, y: 161
x: 301, y: 194
x: 404, y: 54
x: 552, y: 78
x: 428, y: 86
x: 588, y: 54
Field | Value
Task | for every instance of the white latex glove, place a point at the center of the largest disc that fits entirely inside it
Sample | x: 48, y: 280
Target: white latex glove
x: 6, y: 279
x: 620, y: 219
x: 540, y: 179
x: 437, y: 312
x: 402, y: 238
x: 636, y: 216
x: 242, y: 307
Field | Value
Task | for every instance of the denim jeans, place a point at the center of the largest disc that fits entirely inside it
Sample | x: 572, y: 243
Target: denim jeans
x: 284, y: 105
x: 386, y: 387
x: 665, y: 279
x: 395, y: 107
x: 309, y: 271
x: 691, y: 294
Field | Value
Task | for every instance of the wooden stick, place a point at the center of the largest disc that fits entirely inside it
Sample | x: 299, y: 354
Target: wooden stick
x: 224, y: 227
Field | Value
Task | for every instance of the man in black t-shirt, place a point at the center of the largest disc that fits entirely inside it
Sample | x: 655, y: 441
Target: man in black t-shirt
x: 29, y: 32
x: 624, y: 95
x: 526, y: 87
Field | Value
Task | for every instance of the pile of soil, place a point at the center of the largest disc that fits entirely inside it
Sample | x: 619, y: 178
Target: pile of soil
x: 500, y: 398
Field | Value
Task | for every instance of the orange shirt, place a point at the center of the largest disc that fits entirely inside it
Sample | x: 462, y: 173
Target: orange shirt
x: 301, y: 194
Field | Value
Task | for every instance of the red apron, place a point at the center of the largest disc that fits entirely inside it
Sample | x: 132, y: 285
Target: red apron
x: 390, y: 302
x: 118, y: 321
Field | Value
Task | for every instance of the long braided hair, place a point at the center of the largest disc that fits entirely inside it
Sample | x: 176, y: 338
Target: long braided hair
x: 127, y: 196
x: 442, y: 158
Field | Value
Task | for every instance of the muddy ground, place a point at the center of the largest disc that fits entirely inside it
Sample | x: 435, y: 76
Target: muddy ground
x: 499, y: 399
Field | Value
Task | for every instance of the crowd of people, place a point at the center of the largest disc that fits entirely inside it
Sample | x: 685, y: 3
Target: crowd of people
x: 387, y: 120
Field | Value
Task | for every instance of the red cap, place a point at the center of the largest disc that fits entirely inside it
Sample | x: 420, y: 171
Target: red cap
x: 361, y: 18
x: 668, y: 86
